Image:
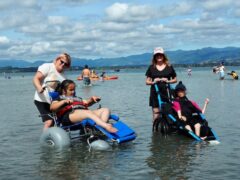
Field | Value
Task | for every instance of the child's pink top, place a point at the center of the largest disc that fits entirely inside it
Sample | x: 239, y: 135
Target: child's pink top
x: 177, y: 107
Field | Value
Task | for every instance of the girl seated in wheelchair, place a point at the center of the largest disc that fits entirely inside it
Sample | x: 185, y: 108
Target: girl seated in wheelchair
x: 186, y: 108
x: 71, y: 110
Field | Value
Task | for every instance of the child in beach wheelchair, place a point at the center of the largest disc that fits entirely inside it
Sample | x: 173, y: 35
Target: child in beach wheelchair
x: 171, y: 123
x: 185, y: 116
x: 71, y: 113
x: 71, y: 110
x: 186, y: 109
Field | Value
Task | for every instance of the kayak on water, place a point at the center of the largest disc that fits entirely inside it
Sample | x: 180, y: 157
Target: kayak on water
x: 99, y: 78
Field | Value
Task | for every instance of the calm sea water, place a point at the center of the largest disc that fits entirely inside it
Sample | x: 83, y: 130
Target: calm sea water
x: 150, y: 156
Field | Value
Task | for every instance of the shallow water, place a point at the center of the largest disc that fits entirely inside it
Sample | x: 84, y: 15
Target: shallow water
x: 150, y: 156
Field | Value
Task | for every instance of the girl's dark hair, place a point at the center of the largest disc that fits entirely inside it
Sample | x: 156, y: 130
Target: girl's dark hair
x: 64, y: 85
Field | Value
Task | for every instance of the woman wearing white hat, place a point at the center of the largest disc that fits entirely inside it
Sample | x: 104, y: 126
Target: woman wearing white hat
x: 161, y: 73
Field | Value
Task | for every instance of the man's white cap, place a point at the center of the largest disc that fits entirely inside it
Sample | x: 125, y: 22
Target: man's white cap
x: 158, y: 50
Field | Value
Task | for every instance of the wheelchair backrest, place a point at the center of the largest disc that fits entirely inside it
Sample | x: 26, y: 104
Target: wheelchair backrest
x: 53, y: 95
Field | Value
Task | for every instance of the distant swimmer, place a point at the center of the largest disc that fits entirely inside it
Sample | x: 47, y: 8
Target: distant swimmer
x: 221, y: 69
x: 189, y: 71
x: 86, y: 74
x: 103, y: 75
x: 234, y: 75
x: 215, y: 69
x: 94, y: 74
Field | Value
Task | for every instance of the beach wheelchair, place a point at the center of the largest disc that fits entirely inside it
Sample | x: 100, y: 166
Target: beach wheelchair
x: 60, y: 136
x: 169, y: 123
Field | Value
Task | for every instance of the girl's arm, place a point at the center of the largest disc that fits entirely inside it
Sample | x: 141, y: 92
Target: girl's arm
x: 179, y: 113
x: 205, y: 105
x: 176, y: 106
x: 180, y: 116
x: 55, y: 105
x: 92, y: 100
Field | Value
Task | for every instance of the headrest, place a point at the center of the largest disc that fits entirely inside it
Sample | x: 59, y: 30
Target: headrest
x: 53, y: 95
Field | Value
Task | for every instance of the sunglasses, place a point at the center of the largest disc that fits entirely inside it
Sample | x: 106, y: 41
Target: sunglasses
x: 159, y: 55
x: 64, y: 63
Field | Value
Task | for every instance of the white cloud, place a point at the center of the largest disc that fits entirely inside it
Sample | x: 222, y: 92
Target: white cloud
x: 41, y: 28
x: 120, y: 12
x: 40, y: 47
x: 4, y: 40
x: 87, y: 48
x: 4, y: 5
x: 176, y: 9
x: 18, y: 50
x: 213, y: 5
x: 116, y: 27
x: 161, y: 29
x: 57, y: 20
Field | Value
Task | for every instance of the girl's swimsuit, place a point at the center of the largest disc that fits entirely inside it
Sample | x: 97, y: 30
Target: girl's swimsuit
x: 63, y: 113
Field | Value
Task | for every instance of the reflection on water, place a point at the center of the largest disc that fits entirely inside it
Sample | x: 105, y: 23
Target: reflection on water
x: 150, y: 156
x: 172, y: 156
x: 77, y: 162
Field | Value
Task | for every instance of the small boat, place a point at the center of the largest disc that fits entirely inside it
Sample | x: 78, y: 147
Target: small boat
x: 99, y: 78
x: 110, y: 77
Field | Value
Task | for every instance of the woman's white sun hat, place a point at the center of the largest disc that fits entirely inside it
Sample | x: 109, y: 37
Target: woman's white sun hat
x: 158, y: 50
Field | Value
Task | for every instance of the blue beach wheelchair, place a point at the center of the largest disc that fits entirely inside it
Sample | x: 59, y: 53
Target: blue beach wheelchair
x: 169, y: 123
x: 60, y: 136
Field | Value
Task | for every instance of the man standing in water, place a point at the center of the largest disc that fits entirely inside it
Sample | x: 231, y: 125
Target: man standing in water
x: 221, y: 69
x: 189, y: 71
x: 86, y: 73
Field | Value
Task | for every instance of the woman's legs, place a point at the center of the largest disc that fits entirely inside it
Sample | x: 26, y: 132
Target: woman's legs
x: 44, y: 110
x: 156, y: 113
x: 47, y: 124
x: 79, y: 114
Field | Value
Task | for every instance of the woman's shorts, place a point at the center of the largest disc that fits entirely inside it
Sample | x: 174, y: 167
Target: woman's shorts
x: 86, y: 81
x: 44, y: 109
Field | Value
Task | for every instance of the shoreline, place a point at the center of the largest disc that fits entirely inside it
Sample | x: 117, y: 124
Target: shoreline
x: 113, y: 68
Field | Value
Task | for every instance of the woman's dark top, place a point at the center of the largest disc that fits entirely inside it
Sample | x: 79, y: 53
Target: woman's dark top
x: 152, y: 72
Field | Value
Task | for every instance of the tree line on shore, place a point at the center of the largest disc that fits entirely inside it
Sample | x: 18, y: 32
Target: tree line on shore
x: 75, y: 68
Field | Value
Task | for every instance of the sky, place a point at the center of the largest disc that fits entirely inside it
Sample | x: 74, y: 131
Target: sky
x: 41, y: 29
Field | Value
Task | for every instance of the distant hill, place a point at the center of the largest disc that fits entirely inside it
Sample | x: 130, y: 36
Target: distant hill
x: 199, y: 56
x: 19, y: 63
x: 205, y: 55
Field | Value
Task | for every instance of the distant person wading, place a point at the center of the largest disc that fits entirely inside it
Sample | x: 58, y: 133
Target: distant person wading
x: 86, y: 74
